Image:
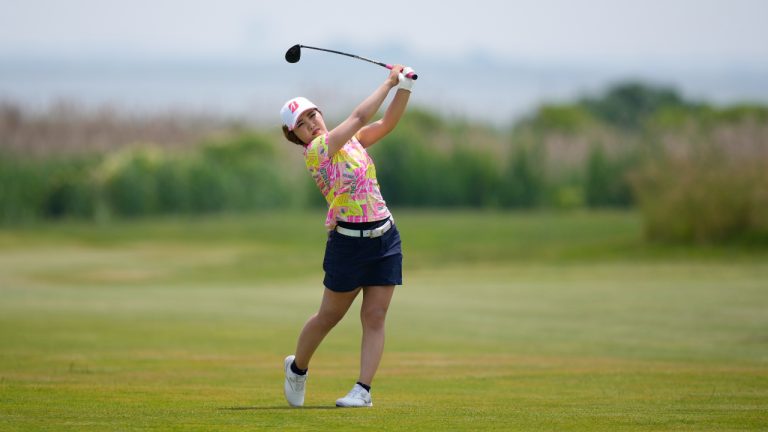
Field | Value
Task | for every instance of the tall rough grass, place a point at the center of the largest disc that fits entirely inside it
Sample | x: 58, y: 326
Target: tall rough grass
x: 66, y: 128
x: 707, y: 183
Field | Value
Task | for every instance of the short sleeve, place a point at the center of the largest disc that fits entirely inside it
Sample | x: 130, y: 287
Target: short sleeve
x: 316, y: 153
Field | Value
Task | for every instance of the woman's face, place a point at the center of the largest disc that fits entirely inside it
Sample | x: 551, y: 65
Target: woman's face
x: 310, y: 125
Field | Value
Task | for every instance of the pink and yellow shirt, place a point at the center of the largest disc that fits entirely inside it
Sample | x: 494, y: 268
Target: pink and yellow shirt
x: 347, y: 181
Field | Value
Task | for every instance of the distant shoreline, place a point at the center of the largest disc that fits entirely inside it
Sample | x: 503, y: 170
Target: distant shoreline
x: 489, y: 92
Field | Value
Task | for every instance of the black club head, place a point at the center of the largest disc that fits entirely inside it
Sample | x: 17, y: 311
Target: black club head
x: 293, y: 54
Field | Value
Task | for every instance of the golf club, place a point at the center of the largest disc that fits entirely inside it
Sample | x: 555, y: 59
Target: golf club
x: 293, y: 55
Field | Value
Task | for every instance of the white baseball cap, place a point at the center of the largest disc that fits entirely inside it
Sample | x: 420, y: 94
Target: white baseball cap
x: 293, y: 109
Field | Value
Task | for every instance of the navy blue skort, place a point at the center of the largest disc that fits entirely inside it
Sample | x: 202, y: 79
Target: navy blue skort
x: 352, y: 262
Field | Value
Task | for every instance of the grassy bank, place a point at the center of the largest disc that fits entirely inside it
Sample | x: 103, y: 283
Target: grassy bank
x: 534, y: 321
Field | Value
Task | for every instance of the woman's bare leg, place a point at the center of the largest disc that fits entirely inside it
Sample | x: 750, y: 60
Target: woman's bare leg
x: 332, y: 310
x: 373, y: 313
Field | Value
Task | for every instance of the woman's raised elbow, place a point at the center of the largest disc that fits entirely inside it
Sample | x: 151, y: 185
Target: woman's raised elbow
x: 359, y: 118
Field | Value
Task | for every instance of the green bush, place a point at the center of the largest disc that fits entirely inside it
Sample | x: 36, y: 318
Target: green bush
x: 131, y: 190
x: 410, y: 171
x: 522, y: 184
x: 606, y: 182
x: 228, y: 174
x: 45, y: 188
x: 473, y: 179
x: 70, y: 190
x: 21, y: 189
x: 172, y: 180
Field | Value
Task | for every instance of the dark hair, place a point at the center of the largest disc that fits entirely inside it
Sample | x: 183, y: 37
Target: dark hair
x: 290, y: 136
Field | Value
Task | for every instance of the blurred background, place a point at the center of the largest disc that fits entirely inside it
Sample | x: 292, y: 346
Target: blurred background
x: 130, y: 109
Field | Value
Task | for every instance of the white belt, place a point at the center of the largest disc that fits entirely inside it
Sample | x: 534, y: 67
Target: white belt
x: 372, y: 233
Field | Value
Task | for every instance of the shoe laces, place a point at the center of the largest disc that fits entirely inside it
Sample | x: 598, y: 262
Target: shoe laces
x: 357, y: 392
x: 297, y: 381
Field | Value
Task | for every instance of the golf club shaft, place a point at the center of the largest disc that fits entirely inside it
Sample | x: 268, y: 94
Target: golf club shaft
x: 411, y: 75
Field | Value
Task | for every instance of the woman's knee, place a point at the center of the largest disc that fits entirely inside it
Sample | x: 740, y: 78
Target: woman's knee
x: 373, y: 317
x: 334, y: 307
x: 329, y: 318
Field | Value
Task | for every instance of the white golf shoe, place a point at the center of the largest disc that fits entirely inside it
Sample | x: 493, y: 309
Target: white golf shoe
x: 357, y: 397
x: 294, y: 384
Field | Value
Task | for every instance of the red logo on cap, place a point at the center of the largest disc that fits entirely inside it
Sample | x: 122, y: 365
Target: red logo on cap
x: 293, y: 106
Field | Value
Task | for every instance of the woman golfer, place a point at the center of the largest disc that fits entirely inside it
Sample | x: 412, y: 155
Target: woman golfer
x: 362, y: 252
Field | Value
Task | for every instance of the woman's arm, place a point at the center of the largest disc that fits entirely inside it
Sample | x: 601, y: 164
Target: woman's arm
x: 372, y: 133
x: 362, y: 114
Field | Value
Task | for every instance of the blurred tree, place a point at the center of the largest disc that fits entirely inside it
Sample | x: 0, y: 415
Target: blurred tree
x: 131, y: 190
x: 475, y: 178
x: 523, y: 181
x: 562, y: 118
x: 606, y: 184
x: 629, y: 105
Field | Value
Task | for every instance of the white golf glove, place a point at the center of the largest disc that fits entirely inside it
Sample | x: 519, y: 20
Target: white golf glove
x: 405, y: 83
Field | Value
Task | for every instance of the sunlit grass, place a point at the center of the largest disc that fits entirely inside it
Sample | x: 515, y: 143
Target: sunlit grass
x: 183, y: 324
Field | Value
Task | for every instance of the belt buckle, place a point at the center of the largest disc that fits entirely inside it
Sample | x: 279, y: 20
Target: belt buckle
x: 378, y: 232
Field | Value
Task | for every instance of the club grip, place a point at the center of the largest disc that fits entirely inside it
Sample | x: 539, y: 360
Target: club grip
x: 411, y: 75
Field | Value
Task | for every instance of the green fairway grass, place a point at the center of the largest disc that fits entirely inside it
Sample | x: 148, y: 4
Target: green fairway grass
x: 536, y: 321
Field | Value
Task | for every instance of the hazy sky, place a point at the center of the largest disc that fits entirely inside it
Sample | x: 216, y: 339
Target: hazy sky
x: 588, y: 31
x: 227, y: 55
